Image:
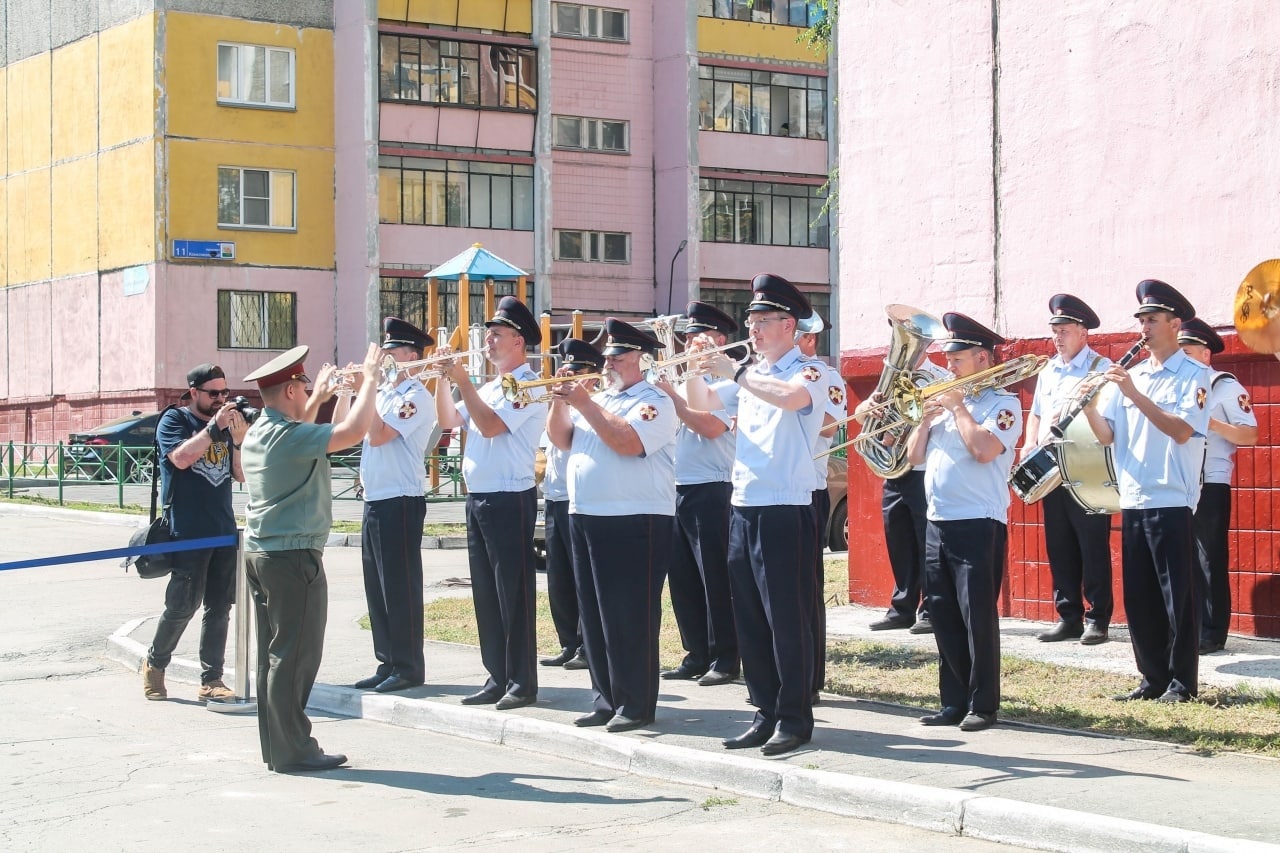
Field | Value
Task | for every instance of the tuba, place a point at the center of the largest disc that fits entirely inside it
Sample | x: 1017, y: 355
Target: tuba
x: 913, y: 332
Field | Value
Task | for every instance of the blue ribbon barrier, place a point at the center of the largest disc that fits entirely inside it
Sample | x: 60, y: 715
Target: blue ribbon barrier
x: 111, y: 553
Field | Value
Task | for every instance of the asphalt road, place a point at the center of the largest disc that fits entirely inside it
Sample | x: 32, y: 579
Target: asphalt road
x: 89, y: 764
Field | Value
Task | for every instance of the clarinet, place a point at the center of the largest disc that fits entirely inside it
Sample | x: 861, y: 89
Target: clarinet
x: 1087, y: 394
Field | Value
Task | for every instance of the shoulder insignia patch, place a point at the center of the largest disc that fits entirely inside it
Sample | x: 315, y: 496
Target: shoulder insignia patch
x: 1202, y: 394
x: 648, y: 412
x: 1005, y: 419
x: 518, y: 404
x: 1246, y: 405
x: 407, y: 410
x: 811, y: 373
x: 835, y: 394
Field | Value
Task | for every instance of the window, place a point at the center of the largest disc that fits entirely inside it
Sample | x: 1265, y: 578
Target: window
x: 591, y: 134
x: 407, y: 298
x: 256, y: 320
x: 611, y: 248
x: 592, y: 22
x: 456, y: 193
x: 763, y: 213
x: 461, y: 73
x: 255, y: 198
x: 250, y: 74
x: 788, y: 13
x: 768, y: 103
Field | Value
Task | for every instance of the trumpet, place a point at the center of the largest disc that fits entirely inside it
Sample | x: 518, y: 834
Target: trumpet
x: 521, y: 390
x: 908, y: 400
x: 428, y: 368
x: 676, y: 369
x: 342, y: 382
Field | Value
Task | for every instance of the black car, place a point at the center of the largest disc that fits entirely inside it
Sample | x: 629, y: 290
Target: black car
x: 122, y: 445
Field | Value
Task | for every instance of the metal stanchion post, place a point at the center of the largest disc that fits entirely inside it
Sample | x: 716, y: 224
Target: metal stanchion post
x: 244, y: 703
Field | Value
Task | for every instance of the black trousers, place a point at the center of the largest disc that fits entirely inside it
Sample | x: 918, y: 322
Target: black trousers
x: 821, y: 510
x: 619, y: 562
x: 205, y: 576
x: 500, y: 554
x: 965, y: 564
x: 903, y: 505
x: 1159, y: 598
x: 1079, y: 546
x: 391, y: 549
x: 699, y: 577
x: 1212, y: 521
x: 562, y: 589
x: 290, y: 606
x: 771, y: 570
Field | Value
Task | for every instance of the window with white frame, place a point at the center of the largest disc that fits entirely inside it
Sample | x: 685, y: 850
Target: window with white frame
x: 249, y: 319
x: 592, y: 22
x: 590, y: 134
x: 605, y: 246
x: 256, y: 198
x: 255, y: 75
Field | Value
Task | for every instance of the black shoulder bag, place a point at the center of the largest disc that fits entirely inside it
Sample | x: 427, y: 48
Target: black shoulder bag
x: 158, y: 531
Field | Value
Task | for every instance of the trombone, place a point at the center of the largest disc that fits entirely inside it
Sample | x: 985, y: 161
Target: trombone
x: 908, y: 400
x: 521, y: 390
x: 677, y: 368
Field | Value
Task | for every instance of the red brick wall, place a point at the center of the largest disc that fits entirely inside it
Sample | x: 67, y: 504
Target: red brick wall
x: 50, y: 420
x: 1028, y: 589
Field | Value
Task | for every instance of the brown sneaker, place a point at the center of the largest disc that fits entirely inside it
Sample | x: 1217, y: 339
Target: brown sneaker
x: 215, y: 691
x: 153, y: 683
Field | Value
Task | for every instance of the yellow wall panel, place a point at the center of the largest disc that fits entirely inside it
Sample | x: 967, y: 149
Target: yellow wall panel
x: 757, y: 41
x: 393, y: 10
x: 191, y: 75
x: 4, y: 123
x: 75, y: 99
x: 27, y: 231
x: 127, y: 81
x: 443, y: 12
x: 520, y: 16
x: 75, y: 226
x: 127, y: 202
x: 192, y: 195
x: 28, y: 108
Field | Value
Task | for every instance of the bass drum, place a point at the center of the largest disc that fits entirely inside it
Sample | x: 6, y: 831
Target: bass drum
x: 1088, y: 469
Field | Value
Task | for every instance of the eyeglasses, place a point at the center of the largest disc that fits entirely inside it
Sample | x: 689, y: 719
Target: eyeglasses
x: 220, y: 392
x: 753, y: 322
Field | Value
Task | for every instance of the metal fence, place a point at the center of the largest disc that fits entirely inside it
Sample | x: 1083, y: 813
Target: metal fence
x: 64, y: 471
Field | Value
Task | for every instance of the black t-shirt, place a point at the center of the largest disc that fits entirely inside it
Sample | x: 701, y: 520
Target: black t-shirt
x: 200, y: 495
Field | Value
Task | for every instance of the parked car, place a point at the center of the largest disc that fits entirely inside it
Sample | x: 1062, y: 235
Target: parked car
x: 93, y: 453
x: 835, y: 535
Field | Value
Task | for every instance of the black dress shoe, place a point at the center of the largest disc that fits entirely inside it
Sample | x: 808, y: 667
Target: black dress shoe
x: 1094, y: 634
x: 595, y: 718
x: 945, y: 717
x: 483, y: 697
x: 1134, y: 695
x: 620, y: 723
x: 1171, y: 698
x: 922, y: 626
x: 683, y: 672
x: 714, y: 678
x: 752, y: 737
x: 782, y: 742
x: 975, y: 722
x: 1062, y: 631
x: 1208, y: 647
x: 506, y: 703
x: 370, y: 682
x: 392, y: 683
x: 891, y: 623
x: 578, y: 661
x: 561, y: 659
x: 314, y: 764
x: 815, y: 698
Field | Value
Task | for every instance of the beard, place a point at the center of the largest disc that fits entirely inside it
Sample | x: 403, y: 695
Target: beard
x: 206, y: 412
x: 612, y: 381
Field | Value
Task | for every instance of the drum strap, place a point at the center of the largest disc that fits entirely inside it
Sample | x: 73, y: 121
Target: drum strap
x: 1219, y: 375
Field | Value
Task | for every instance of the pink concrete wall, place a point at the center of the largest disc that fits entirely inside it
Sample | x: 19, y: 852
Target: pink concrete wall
x: 1136, y: 140
x: 738, y: 262
x: 433, y: 245
x: 466, y: 128
x: 750, y: 153
x: 30, y: 347
x: 76, y: 339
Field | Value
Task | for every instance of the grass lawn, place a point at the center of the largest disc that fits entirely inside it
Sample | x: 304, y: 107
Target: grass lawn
x: 1034, y: 692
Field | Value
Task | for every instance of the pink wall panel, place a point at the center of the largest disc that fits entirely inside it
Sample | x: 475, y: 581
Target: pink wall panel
x: 408, y: 123
x: 751, y: 153
x: 30, y: 344
x: 736, y: 262
x: 76, y: 299
x: 428, y: 244
x: 459, y: 127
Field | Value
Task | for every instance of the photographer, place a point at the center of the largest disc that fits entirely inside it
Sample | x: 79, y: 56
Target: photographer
x: 199, y: 457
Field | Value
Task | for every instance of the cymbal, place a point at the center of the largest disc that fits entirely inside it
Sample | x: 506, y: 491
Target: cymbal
x: 1257, y: 308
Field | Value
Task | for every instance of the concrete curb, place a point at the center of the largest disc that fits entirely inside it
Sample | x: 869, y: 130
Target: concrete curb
x: 940, y: 810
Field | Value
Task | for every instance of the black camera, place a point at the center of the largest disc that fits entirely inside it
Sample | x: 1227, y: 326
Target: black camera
x: 249, y: 413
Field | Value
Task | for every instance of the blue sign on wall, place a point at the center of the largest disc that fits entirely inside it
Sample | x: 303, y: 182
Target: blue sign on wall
x: 210, y: 250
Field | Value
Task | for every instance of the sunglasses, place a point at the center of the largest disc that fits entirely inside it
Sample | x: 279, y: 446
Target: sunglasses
x: 222, y: 392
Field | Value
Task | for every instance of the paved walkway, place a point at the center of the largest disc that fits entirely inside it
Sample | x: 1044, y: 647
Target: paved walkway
x: 1028, y: 785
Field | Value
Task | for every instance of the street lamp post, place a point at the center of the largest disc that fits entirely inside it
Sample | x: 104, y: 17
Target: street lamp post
x: 671, y: 277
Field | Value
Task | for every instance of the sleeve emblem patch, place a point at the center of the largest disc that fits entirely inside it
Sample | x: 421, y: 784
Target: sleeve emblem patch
x: 648, y: 412
x: 1202, y: 394
x: 1005, y: 419
x: 811, y: 374
x: 835, y: 394
x: 1246, y: 405
x: 407, y: 410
